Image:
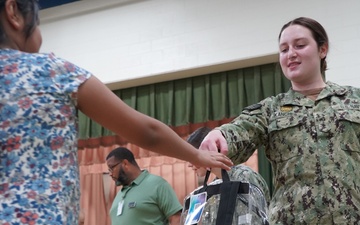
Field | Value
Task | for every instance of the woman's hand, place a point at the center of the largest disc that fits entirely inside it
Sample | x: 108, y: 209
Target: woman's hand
x: 213, y: 151
x: 212, y: 159
x: 214, y: 142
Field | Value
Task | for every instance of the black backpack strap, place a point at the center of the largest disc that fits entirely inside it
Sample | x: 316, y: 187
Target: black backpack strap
x: 228, y: 193
x: 224, y: 175
x: 207, y: 175
x: 202, y: 189
x: 215, y: 189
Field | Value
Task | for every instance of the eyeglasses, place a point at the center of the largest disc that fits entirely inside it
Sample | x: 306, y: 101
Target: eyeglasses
x: 111, y: 168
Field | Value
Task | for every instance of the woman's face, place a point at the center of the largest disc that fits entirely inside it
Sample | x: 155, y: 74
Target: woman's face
x: 300, y: 55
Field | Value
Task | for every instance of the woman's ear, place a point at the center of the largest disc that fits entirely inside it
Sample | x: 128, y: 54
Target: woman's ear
x: 323, y: 51
x: 13, y: 15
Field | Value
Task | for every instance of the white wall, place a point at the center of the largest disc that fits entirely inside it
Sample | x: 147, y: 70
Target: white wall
x: 134, y: 42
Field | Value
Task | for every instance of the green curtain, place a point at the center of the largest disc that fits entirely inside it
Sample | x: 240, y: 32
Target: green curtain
x: 198, y: 99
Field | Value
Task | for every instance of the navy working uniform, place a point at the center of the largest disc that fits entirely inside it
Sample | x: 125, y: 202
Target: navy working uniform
x: 314, y: 150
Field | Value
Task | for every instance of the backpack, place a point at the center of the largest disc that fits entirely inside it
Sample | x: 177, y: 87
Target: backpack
x: 242, y: 200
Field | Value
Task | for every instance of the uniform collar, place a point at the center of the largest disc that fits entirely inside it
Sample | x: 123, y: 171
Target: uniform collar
x: 295, y: 98
x: 332, y: 89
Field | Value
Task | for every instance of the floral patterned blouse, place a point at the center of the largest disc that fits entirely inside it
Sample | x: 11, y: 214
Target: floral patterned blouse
x: 39, y: 177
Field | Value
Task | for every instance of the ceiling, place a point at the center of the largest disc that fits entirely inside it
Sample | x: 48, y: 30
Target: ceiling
x: 44, y: 4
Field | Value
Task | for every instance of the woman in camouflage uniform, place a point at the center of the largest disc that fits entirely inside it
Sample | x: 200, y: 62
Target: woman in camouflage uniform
x: 311, y: 135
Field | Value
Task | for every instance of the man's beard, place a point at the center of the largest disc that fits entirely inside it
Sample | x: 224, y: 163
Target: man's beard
x: 122, y: 178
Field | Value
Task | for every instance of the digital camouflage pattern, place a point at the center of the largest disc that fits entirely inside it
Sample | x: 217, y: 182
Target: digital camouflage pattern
x: 314, y: 149
x: 246, y: 205
x: 247, y: 175
x: 243, y: 213
x: 250, y: 208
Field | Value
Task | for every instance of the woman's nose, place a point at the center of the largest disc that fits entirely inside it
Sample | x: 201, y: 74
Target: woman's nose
x: 291, y: 53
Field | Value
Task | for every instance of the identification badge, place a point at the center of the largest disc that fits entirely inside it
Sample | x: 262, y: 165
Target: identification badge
x: 132, y: 204
x: 120, y: 207
x: 197, y: 204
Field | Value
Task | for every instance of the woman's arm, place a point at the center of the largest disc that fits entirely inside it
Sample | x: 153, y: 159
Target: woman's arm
x: 103, y: 106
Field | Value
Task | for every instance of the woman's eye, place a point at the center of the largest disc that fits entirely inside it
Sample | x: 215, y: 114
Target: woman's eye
x: 300, y: 46
x: 283, y: 50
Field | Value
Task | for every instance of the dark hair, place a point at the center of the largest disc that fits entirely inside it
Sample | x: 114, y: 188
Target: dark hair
x: 29, y: 9
x: 196, y: 137
x: 318, y: 32
x: 122, y: 153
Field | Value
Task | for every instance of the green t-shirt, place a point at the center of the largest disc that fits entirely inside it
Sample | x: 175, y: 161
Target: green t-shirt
x: 149, y: 199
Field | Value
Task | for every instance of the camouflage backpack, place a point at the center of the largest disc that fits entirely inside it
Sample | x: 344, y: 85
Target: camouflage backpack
x: 240, y: 197
x: 241, y: 200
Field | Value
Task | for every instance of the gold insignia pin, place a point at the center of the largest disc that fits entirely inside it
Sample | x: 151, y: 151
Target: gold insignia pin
x: 286, y: 108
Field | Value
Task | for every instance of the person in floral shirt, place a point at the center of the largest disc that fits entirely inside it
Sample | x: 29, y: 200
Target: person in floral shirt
x: 39, y: 97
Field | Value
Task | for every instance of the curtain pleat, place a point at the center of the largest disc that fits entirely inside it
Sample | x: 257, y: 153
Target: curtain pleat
x: 91, y: 213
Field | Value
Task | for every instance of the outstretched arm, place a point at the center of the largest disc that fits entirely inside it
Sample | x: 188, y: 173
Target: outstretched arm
x: 100, y: 104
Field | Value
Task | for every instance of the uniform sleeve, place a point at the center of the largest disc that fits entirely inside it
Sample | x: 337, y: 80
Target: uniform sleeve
x: 167, y: 199
x: 246, y: 133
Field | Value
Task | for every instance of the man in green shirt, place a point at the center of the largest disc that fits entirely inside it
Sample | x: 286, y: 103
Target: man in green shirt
x: 144, y: 198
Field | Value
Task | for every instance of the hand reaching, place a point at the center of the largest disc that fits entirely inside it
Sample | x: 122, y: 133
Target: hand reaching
x: 214, y: 142
x: 211, y: 159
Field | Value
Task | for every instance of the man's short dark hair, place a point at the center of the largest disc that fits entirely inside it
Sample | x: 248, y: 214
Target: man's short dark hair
x: 122, y: 153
